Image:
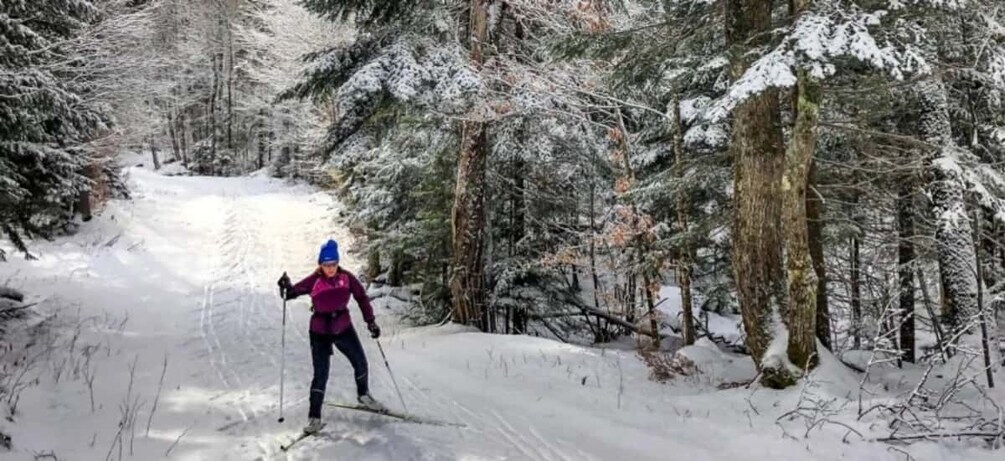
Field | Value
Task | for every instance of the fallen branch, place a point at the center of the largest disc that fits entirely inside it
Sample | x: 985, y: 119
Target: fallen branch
x: 10, y: 293
x: 937, y: 435
x: 621, y: 322
x: 550, y: 328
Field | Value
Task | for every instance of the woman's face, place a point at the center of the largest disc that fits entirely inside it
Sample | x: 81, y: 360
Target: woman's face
x: 329, y: 269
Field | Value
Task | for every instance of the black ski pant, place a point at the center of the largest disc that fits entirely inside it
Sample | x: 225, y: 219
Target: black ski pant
x: 347, y: 342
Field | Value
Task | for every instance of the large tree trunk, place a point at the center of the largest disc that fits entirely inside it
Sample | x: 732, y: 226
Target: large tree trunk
x: 954, y: 243
x: 756, y: 149
x: 905, y: 257
x: 801, y: 309
x: 468, y: 225
x: 468, y: 212
x: 815, y: 226
x: 684, y: 261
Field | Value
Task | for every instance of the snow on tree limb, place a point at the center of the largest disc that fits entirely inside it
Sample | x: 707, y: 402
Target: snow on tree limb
x: 816, y: 42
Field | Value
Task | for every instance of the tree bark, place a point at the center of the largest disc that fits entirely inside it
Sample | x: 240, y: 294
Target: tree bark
x: 801, y: 309
x: 684, y: 261
x: 468, y: 212
x: 905, y: 263
x: 954, y: 242
x: 756, y: 150
x: 856, y: 280
x: 468, y: 223
x: 815, y: 226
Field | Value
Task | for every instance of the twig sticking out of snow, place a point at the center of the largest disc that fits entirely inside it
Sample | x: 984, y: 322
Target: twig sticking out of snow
x: 948, y: 401
x: 168, y: 452
x: 817, y: 411
x: 157, y: 398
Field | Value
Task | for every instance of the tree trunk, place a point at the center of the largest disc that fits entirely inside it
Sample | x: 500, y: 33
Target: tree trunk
x: 936, y: 325
x: 212, y: 111
x: 518, y: 204
x: 905, y: 256
x: 396, y: 273
x: 756, y: 150
x: 815, y: 226
x: 183, y: 139
x: 468, y: 224
x: 801, y: 309
x: 856, y: 293
x: 954, y: 243
x: 230, y: 87
x: 173, y: 134
x: 468, y: 212
x: 684, y: 262
x: 600, y: 335
x: 84, y: 198
x: 153, y: 153
x: 271, y: 136
x: 985, y: 338
x: 372, y: 264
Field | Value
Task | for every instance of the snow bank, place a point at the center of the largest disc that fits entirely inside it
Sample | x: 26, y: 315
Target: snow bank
x: 721, y: 326
x: 186, y: 273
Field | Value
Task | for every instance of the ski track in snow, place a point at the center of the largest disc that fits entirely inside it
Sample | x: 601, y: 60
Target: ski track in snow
x: 196, y: 267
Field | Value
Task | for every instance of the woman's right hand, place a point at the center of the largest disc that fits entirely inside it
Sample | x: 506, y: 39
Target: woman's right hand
x: 285, y: 286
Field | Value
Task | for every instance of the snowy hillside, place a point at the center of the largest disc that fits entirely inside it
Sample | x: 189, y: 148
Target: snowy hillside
x: 185, y: 273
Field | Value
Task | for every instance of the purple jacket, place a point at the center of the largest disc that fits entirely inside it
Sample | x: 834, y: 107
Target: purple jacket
x: 331, y: 300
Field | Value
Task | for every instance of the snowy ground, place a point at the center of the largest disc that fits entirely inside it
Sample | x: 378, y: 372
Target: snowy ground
x: 186, y: 272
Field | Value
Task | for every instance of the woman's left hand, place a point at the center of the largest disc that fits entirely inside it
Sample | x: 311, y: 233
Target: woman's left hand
x: 374, y: 330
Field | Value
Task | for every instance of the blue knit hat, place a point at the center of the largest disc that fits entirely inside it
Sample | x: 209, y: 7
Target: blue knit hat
x: 329, y: 252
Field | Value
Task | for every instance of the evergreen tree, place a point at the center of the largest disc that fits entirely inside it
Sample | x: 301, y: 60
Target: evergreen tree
x: 399, y: 89
x: 45, y: 120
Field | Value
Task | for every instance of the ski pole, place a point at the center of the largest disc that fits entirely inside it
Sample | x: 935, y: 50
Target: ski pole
x: 396, y: 389
x: 282, y: 360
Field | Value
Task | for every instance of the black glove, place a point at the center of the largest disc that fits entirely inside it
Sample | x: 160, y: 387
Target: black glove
x: 285, y: 287
x: 374, y: 330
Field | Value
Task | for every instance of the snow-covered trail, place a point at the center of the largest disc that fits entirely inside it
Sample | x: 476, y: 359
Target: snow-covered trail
x: 186, y: 271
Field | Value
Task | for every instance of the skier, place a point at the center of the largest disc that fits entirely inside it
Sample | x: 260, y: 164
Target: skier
x: 330, y: 287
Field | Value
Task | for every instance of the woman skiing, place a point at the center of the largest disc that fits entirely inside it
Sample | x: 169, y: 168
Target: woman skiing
x: 330, y: 287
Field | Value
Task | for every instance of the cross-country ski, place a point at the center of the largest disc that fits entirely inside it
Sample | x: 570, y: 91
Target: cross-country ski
x: 303, y: 435
x: 502, y: 230
x: 394, y: 414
